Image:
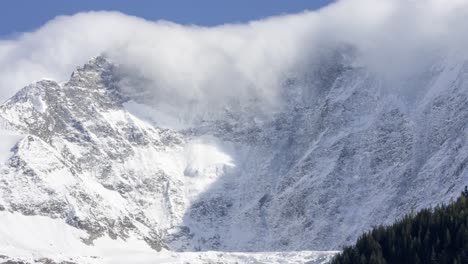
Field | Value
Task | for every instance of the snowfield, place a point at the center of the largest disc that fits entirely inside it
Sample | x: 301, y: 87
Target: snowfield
x: 8, y: 139
x: 53, y: 239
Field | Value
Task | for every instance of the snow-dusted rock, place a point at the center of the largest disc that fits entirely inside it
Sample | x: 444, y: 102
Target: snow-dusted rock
x: 344, y: 154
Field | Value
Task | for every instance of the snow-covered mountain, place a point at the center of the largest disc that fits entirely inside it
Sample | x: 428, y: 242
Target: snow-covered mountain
x: 346, y: 151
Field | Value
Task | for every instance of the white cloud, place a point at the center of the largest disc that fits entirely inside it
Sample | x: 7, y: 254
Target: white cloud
x: 186, y: 65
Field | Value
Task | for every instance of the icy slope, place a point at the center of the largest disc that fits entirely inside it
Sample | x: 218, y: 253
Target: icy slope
x: 53, y: 240
x: 344, y: 153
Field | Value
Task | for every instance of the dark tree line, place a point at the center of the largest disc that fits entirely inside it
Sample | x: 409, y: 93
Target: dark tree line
x: 431, y: 236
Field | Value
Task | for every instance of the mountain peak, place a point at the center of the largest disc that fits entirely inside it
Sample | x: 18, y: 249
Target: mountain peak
x: 97, y: 64
x: 98, y: 72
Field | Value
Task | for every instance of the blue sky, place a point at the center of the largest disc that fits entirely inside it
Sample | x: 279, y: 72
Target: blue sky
x: 27, y: 15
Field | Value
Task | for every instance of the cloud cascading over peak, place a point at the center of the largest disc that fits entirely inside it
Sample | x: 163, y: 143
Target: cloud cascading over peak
x: 185, y: 65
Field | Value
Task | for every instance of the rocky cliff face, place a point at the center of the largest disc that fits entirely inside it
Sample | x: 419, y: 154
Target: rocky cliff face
x: 83, y: 158
x: 345, y: 153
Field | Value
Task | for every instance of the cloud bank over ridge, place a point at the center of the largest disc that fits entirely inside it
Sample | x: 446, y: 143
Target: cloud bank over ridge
x: 192, y: 64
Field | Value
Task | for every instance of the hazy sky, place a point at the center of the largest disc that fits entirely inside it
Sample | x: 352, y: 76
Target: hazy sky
x: 25, y: 15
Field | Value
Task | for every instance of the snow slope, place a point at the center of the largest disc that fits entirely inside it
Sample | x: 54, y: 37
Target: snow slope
x: 55, y: 240
x: 8, y: 140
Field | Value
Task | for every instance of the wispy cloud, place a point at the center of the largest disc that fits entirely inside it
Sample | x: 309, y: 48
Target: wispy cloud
x: 189, y: 64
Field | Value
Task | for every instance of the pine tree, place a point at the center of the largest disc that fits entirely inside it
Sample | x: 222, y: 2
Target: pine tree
x: 432, y: 236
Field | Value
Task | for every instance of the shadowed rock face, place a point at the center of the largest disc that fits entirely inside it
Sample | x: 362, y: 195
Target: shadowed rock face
x: 345, y: 153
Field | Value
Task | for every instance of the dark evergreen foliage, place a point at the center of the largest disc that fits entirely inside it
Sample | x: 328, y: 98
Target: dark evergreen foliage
x: 432, y: 236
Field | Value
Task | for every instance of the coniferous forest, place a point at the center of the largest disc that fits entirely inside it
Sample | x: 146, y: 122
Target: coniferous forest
x: 431, y: 236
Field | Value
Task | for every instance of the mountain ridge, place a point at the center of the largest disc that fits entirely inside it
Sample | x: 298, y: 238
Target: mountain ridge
x: 299, y: 179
